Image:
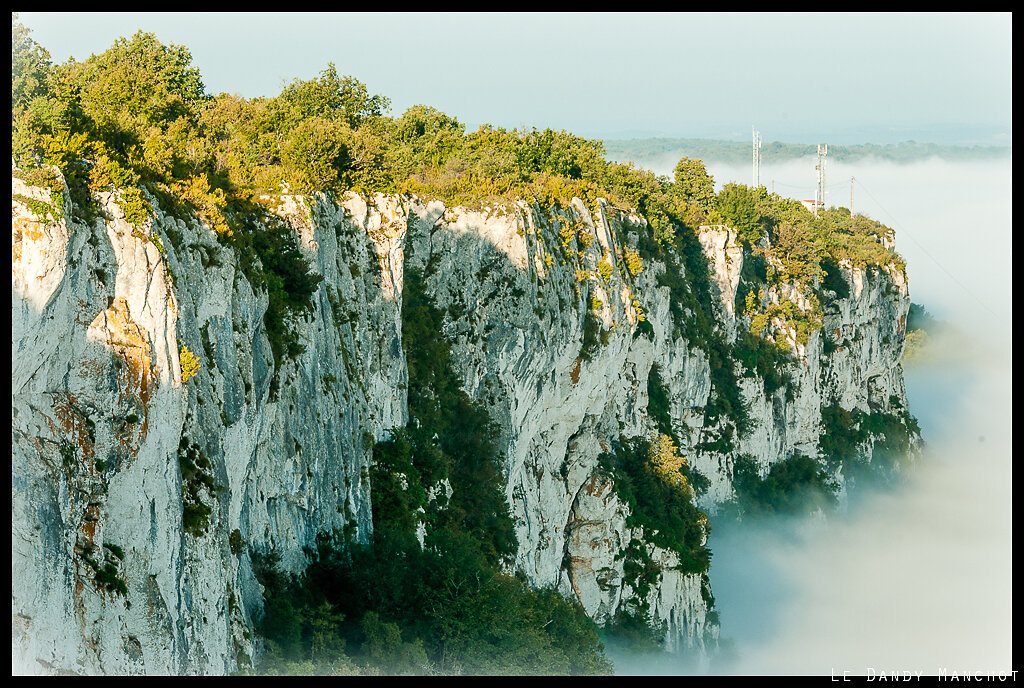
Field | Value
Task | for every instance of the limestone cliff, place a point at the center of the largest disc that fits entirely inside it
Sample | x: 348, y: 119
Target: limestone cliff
x: 139, y: 485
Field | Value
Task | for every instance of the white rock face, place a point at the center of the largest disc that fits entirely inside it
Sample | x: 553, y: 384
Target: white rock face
x: 99, y: 410
x: 719, y: 244
x: 101, y: 413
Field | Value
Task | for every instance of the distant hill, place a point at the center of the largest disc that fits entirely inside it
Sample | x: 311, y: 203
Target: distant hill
x: 652, y: 151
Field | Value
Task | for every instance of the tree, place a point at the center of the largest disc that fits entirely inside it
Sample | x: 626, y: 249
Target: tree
x: 334, y: 97
x: 30, y: 65
x: 667, y: 464
x: 738, y: 204
x: 384, y: 649
x: 139, y: 83
x: 559, y: 153
x: 694, y: 184
x: 422, y: 137
x: 316, y: 152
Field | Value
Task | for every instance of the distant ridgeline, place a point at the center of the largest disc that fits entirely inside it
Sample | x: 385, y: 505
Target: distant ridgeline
x: 644, y: 152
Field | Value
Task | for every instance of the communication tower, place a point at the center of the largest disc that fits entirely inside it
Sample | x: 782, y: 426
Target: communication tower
x: 757, y: 157
x: 819, y: 192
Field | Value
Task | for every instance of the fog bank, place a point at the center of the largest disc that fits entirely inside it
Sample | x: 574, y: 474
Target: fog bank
x: 915, y: 577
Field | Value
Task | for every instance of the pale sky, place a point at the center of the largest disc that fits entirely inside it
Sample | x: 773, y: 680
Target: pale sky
x: 845, y: 78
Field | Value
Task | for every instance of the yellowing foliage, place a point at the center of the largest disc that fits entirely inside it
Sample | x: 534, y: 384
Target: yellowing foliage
x: 189, y: 363
x: 666, y: 462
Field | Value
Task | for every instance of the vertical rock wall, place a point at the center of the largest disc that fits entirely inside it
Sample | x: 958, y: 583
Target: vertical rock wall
x: 108, y: 439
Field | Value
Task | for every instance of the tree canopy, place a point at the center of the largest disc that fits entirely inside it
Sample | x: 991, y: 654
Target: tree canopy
x: 694, y: 184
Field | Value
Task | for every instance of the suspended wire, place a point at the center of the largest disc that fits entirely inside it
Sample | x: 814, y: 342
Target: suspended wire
x: 896, y: 225
x: 903, y: 230
x: 804, y: 186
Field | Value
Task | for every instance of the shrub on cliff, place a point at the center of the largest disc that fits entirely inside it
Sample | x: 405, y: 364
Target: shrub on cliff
x: 795, y: 485
x: 649, y: 477
x: 189, y: 363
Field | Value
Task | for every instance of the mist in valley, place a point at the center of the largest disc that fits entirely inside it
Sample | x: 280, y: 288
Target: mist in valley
x: 913, y: 577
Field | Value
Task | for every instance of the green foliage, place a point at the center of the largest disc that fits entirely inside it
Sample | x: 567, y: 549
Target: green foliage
x: 921, y: 327
x: 765, y: 359
x: 108, y: 577
x: 136, y: 117
x: 591, y: 336
x: 803, y: 242
x: 465, y: 448
x: 139, y: 83
x: 399, y: 609
x: 270, y: 259
x: 659, y: 409
x: 832, y: 278
x: 694, y: 183
x: 640, y: 573
x: 805, y: 251
x: 798, y: 484
x: 634, y: 263
x: 236, y: 542
x: 850, y: 439
x: 331, y: 97
x: 385, y: 650
x: 427, y: 135
x: 68, y: 454
x: 893, y: 436
x: 42, y: 211
x: 661, y: 503
x: 738, y: 203
x: 915, y: 346
x: 395, y: 607
x: 918, y: 318
x: 841, y: 437
x: 398, y: 486
x: 658, y: 403
x: 30, y: 66
x: 635, y: 632
x: 121, y: 118
x: 726, y: 400
x: 316, y: 148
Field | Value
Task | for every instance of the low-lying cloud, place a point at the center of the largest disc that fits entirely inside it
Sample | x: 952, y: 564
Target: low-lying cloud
x: 913, y: 578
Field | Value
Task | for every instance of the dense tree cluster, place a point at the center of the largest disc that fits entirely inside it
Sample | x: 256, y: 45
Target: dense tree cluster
x: 138, y: 115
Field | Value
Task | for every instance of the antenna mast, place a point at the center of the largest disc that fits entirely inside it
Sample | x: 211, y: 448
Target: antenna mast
x: 819, y: 192
x: 757, y: 157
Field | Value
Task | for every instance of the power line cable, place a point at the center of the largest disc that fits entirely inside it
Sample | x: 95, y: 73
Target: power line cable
x: 896, y: 224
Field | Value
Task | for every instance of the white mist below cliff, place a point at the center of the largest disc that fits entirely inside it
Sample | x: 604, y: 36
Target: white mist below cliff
x: 911, y: 579
x: 916, y: 578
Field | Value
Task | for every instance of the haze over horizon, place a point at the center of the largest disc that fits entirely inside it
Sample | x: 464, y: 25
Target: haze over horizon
x: 845, y: 78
